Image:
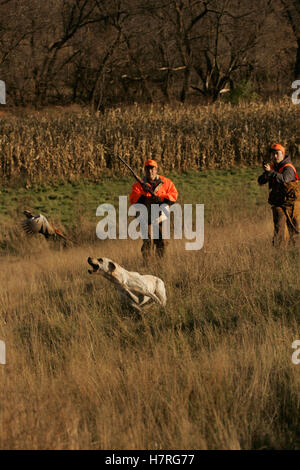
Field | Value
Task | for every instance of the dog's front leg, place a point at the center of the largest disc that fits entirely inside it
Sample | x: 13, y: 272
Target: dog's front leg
x: 128, y: 294
x: 136, y: 307
x: 146, y: 301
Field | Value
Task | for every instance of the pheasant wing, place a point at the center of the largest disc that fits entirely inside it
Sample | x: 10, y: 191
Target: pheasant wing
x: 38, y: 224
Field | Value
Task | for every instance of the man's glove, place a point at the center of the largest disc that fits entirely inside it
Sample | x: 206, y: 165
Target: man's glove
x: 155, y: 200
x: 267, y: 167
x: 146, y: 187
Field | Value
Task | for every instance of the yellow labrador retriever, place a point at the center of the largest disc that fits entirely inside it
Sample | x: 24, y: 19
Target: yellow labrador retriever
x: 140, y: 290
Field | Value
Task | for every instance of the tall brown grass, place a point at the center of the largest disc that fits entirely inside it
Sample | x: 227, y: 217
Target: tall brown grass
x: 57, y: 144
x: 212, y: 370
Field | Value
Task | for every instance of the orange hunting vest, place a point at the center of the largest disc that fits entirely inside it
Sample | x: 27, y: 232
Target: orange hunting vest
x: 284, y: 194
x: 287, y: 164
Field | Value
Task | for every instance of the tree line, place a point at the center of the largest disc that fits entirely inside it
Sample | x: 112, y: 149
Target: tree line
x: 107, y: 52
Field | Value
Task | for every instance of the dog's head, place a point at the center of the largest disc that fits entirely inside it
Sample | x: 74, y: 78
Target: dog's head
x: 101, y: 265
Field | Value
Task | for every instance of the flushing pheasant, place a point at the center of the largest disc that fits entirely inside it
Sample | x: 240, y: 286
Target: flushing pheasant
x: 39, y: 224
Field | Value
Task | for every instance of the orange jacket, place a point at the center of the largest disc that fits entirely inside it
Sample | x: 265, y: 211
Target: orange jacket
x: 166, y: 191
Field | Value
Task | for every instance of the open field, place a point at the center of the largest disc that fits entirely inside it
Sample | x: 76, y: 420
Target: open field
x: 212, y: 370
x: 73, y: 205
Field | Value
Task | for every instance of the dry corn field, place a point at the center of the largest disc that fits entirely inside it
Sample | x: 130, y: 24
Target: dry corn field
x: 211, y: 370
x: 58, y: 144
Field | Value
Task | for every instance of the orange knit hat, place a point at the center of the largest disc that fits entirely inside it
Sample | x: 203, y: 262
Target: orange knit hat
x: 278, y: 147
x: 150, y: 163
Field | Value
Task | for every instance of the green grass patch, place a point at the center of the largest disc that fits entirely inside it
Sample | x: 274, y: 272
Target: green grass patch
x: 65, y: 201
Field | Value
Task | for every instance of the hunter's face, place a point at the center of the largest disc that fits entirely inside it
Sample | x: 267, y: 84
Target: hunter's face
x: 151, y: 172
x: 277, y: 156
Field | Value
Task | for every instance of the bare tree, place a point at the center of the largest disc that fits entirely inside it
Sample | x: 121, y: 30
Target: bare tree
x: 10, y: 36
x: 108, y: 51
x: 210, y: 41
x: 181, y: 18
x: 291, y: 9
x: 233, y: 31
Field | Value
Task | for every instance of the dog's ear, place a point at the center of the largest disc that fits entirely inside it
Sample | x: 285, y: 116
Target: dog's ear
x: 111, y: 267
x: 100, y: 260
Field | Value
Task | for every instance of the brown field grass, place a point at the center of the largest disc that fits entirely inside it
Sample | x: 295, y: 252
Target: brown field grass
x: 72, y: 144
x: 212, y: 370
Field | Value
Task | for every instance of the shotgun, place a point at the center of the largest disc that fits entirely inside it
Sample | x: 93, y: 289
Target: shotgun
x: 145, y: 186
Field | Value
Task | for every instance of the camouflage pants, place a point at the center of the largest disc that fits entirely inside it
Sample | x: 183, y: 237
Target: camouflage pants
x: 157, y: 246
x: 286, y: 224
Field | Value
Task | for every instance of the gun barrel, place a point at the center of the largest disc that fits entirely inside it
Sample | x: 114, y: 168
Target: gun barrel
x: 129, y: 168
x: 135, y: 175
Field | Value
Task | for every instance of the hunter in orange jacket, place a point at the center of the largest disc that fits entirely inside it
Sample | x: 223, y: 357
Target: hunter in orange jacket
x: 165, y: 192
x: 284, y: 195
